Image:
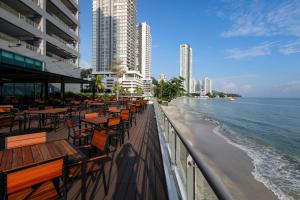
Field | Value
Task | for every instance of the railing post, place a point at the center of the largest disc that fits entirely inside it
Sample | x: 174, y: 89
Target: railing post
x: 190, y: 179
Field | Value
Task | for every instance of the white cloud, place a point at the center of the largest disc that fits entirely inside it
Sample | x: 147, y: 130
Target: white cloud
x: 155, y: 46
x: 84, y: 64
x: 291, y: 47
x: 263, y: 18
x: 233, y: 87
x: 259, y: 50
x: 291, y: 86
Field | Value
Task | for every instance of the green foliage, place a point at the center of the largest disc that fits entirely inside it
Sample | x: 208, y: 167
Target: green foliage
x: 169, y: 90
x: 139, y: 90
x: 84, y: 73
x: 99, y: 84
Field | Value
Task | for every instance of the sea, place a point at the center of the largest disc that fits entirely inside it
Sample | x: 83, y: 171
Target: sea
x: 267, y: 129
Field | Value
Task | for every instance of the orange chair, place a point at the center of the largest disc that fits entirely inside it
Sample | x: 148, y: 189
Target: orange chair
x: 76, y: 133
x: 91, y: 115
x: 34, y: 181
x: 114, y: 129
x: 95, y: 162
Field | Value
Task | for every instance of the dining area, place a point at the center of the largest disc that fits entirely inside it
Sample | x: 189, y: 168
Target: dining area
x: 81, y: 150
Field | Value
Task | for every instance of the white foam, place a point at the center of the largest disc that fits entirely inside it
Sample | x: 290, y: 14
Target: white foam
x: 269, y: 167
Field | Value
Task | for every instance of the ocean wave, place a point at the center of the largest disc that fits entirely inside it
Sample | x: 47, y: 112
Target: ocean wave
x: 277, y: 172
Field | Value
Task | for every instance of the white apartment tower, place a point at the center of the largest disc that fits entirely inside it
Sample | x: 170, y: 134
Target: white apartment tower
x: 46, y: 30
x: 144, y: 44
x: 186, y: 62
x: 114, y: 37
x: 207, y: 86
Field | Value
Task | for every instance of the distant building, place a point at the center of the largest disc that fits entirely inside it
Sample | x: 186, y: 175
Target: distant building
x: 115, y: 38
x: 186, y: 62
x: 144, y: 51
x: 194, y: 86
x: 162, y: 77
x: 207, y: 86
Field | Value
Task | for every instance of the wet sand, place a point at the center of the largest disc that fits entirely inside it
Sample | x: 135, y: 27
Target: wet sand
x: 231, y: 164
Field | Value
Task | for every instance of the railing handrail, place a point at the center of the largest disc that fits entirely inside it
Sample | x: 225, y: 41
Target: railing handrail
x: 214, y: 182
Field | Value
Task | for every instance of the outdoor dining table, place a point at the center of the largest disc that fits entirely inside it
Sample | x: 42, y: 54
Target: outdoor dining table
x: 50, y: 111
x: 33, y: 154
x: 95, y: 121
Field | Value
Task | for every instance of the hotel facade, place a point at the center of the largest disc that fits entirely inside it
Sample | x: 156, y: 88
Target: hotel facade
x: 114, y: 38
x: 42, y: 31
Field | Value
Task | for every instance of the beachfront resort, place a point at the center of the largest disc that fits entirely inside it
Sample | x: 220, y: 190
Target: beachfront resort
x: 82, y: 116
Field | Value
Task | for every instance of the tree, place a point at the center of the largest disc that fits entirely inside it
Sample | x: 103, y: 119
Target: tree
x: 169, y: 90
x: 99, y: 84
x: 119, y: 71
x: 84, y: 73
x: 139, y: 90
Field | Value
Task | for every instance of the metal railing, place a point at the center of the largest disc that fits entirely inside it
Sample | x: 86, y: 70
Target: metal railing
x: 195, y: 178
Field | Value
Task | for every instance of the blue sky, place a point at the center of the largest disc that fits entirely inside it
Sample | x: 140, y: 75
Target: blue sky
x: 248, y: 47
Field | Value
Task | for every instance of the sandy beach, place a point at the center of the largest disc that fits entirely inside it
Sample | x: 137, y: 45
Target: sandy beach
x: 231, y: 164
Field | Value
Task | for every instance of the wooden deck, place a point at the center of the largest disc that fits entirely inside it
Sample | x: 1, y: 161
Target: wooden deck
x: 136, y: 170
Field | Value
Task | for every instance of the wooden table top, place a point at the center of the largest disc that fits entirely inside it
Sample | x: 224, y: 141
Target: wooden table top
x: 33, y: 154
x: 95, y: 120
x: 48, y: 111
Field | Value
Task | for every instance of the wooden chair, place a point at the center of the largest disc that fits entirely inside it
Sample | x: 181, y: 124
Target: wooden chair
x: 96, y: 161
x: 7, y: 122
x: 34, y: 181
x: 76, y: 133
x: 34, y: 117
x: 114, y: 129
x: 24, y: 140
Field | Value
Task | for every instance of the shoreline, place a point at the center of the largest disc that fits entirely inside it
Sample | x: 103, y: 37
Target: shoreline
x: 231, y: 164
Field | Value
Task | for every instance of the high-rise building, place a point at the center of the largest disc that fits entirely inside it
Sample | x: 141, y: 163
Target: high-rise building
x: 186, y: 62
x: 114, y: 38
x: 162, y: 77
x: 45, y: 30
x: 144, y: 50
x: 207, y: 86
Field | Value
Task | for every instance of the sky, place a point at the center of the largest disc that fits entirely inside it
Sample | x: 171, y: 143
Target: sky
x: 246, y: 47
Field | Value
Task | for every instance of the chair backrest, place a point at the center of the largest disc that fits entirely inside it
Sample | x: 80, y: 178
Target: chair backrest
x: 19, y: 179
x: 25, y: 140
x: 6, y: 121
x: 111, y: 108
x: 91, y: 115
x: 113, y: 121
x: 133, y: 109
x: 99, y: 140
x: 124, y: 114
x: 5, y: 109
